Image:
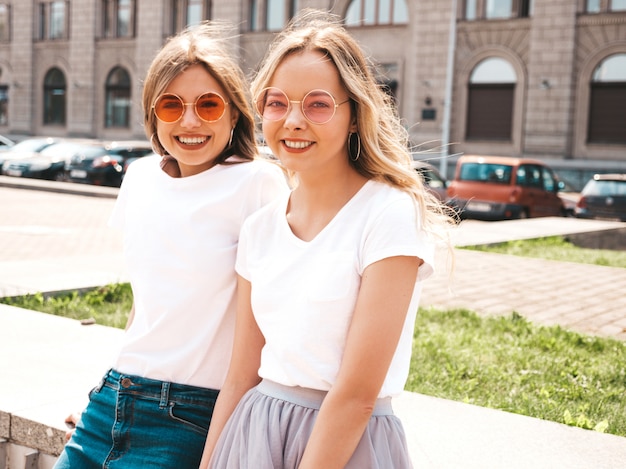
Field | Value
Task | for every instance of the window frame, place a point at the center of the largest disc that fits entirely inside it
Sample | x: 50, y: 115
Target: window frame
x: 50, y: 90
x: 46, y: 25
x: 112, y: 21
x: 179, y: 13
x: 113, y: 91
x: 6, y: 18
x: 370, y: 13
x: 474, y: 10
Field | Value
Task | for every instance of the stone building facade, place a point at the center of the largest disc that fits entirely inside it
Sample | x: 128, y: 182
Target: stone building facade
x: 541, y: 78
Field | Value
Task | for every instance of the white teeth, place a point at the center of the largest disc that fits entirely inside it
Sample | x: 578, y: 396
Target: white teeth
x: 297, y: 145
x: 192, y: 140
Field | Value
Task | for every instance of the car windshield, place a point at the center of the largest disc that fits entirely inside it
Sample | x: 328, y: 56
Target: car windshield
x: 605, y: 188
x: 31, y: 144
x: 486, y: 172
x: 92, y: 152
x: 59, y: 149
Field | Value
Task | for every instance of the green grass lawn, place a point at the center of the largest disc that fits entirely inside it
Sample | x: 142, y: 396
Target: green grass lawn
x: 556, y: 248
x: 503, y: 363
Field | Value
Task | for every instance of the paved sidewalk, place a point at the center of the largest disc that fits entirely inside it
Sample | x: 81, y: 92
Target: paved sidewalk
x: 59, y: 240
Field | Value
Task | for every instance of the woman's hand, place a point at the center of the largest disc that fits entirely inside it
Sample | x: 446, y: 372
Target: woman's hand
x: 71, y: 421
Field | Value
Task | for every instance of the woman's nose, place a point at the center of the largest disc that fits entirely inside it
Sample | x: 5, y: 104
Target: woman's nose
x: 190, y: 118
x: 294, y: 117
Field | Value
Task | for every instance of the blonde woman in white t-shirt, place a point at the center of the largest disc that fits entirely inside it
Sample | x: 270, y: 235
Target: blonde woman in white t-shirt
x: 180, y: 212
x: 329, y: 275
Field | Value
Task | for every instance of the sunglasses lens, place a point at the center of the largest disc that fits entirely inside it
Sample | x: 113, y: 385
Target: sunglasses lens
x: 210, y: 107
x: 318, y: 106
x: 272, y: 104
x: 168, y: 108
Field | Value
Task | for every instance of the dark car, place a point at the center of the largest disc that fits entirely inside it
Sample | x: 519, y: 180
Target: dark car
x: 433, y: 179
x: 26, y: 149
x: 501, y: 188
x: 104, y: 165
x: 49, y: 163
x: 603, y: 197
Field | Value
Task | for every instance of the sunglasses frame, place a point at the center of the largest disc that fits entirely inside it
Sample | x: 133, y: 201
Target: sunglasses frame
x: 301, y: 102
x: 194, y: 104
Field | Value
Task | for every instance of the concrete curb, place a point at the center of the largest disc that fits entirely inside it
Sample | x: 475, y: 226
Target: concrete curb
x: 59, y: 187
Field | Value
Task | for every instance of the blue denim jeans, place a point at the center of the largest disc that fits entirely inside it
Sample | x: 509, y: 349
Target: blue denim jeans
x: 134, y: 422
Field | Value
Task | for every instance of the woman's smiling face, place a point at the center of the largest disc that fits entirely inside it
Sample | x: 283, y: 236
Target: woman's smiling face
x: 298, y: 143
x: 194, y: 143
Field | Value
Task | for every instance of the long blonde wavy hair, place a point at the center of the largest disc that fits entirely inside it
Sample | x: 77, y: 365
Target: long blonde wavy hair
x: 384, y: 140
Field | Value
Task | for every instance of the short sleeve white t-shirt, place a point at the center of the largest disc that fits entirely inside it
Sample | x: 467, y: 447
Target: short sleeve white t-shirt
x: 180, y: 238
x: 304, y: 293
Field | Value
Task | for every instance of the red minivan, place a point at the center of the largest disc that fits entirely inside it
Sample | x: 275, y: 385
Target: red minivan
x: 504, y: 188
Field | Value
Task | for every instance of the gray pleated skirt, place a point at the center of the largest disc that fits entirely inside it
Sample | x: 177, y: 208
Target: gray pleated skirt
x: 270, y: 428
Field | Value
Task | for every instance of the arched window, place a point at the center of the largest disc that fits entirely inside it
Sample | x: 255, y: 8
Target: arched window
x: 117, y: 96
x: 372, y: 12
x: 54, y: 88
x: 491, y: 92
x: 607, y: 103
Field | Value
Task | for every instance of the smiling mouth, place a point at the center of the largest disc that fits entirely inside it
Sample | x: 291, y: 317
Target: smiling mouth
x: 191, y: 140
x: 297, y: 145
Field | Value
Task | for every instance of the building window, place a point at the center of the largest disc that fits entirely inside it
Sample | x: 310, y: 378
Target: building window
x: 4, y: 105
x: 607, y: 105
x: 119, y: 18
x: 376, y: 12
x: 188, y: 13
x: 497, y: 9
x: 5, y: 22
x: 53, y: 20
x: 597, y: 6
x: 491, y: 93
x: 276, y: 15
x: 118, y: 102
x: 271, y: 15
x: 593, y: 6
x: 618, y: 5
x: 54, y: 88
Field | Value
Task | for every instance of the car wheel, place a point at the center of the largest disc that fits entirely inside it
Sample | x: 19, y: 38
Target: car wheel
x: 60, y: 176
x: 523, y: 214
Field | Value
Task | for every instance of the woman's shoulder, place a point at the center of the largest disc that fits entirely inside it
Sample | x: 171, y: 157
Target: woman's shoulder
x: 383, y: 193
x: 142, y: 166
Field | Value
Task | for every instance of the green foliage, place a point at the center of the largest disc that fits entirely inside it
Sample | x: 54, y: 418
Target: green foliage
x: 556, y: 248
x: 510, y: 364
x: 108, y: 305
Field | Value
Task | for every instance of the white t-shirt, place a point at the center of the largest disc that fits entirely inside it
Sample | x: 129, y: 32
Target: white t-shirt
x: 180, y: 241
x: 304, y: 293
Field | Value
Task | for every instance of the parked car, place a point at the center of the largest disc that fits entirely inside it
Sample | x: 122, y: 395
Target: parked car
x: 49, y: 163
x: 5, y: 143
x: 501, y: 188
x: 104, y: 165
x: 433, y: 179
x: 569, y: 196
x: 603, y: 197
x: 26, y: 148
